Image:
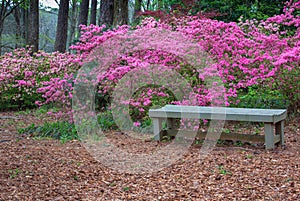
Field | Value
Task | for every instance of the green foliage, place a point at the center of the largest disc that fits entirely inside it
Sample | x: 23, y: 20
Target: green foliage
x: 13, y: 173
x: 223, y: 171
x: 63, y: 131
x: 102, y: 100
x: 7, y: 99
x: 146, y: 123
x: 257, y: 97
x: 112, y: 184
x: 106, y: 121
x: 38, y: 112
x: 290, y: 88
x: 231, y: 10
x: 249, y: 156
x: 76, y: 178
x: 238, y: 143
x: 197, y: 142
x: 126, y: 188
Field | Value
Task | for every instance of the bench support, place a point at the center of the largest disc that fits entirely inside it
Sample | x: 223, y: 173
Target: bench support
x: 270, y: 138
x: 157, y: 123
x: 269, y: 135
x: 279, y: 130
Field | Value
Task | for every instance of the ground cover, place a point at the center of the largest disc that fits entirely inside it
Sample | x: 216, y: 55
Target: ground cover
x: 46, y: 169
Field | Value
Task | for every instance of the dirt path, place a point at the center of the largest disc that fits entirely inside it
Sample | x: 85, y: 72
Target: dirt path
x: 48, y: 170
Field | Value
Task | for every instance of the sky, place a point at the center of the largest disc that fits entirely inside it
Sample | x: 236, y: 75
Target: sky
x: 49, y: 3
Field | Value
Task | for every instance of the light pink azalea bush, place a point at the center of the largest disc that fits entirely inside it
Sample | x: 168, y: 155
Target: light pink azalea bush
x: 23, y: 77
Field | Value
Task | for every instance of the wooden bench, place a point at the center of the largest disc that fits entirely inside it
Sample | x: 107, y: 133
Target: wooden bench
x: 273, y: 120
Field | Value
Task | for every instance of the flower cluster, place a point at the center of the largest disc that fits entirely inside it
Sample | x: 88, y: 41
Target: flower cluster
x: 92, y: 36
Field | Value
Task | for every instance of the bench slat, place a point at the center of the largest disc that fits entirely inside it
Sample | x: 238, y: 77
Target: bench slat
x: 220, y: 113
x: 224, y: 136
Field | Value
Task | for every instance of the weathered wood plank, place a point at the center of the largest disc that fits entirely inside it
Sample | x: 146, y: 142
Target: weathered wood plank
x: 219, y: 113
x: 8, y: 117
x: 277, y: 139
x: 224, y: 136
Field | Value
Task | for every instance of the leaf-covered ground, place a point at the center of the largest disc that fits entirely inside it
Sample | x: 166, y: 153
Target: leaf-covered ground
x: 33, y: 169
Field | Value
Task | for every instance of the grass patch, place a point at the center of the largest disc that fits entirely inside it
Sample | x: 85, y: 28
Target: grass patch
x: 13, y: 173
x: 106, y: 121
x: 223, y: 171
x: 63, y: 131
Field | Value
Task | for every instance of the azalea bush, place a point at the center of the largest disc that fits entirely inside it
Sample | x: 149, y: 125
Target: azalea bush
x: 251, y: 54
x: 264, y: 53
x: 23, y: 77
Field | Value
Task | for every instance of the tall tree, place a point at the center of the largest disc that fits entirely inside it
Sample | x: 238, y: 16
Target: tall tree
x: 106, y: 12
x: 33, y: 31
x: 120, y: 12
x: 25, y: 23
x: 84, y: 11
x: 93, y: 12
x: 148, y: 5
x: 62, y: 26
x: 73, y: 20
x: 17, y: 16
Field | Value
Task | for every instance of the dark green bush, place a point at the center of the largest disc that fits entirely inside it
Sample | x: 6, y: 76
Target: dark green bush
x: 257, y: 97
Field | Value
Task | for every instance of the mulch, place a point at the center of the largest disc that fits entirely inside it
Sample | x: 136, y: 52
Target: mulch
x: 33, y: 169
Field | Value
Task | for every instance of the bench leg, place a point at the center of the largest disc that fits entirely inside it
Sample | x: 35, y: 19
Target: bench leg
x: 279, y: 130
x: 269, y: 136
x: 157, y: 124
x: 171, y: 123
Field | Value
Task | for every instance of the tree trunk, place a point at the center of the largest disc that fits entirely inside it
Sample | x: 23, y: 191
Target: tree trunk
x: 33, y: 32
x: 3, y: 10
x: 84, y: 11
x: 62, y: 26
x: 106, y: 13
x: 73, y: 22
x: 1, y: 31
x: 93, y: 12
x: 25, y: 24
x: 17, y: 16
x: 120, y: 12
